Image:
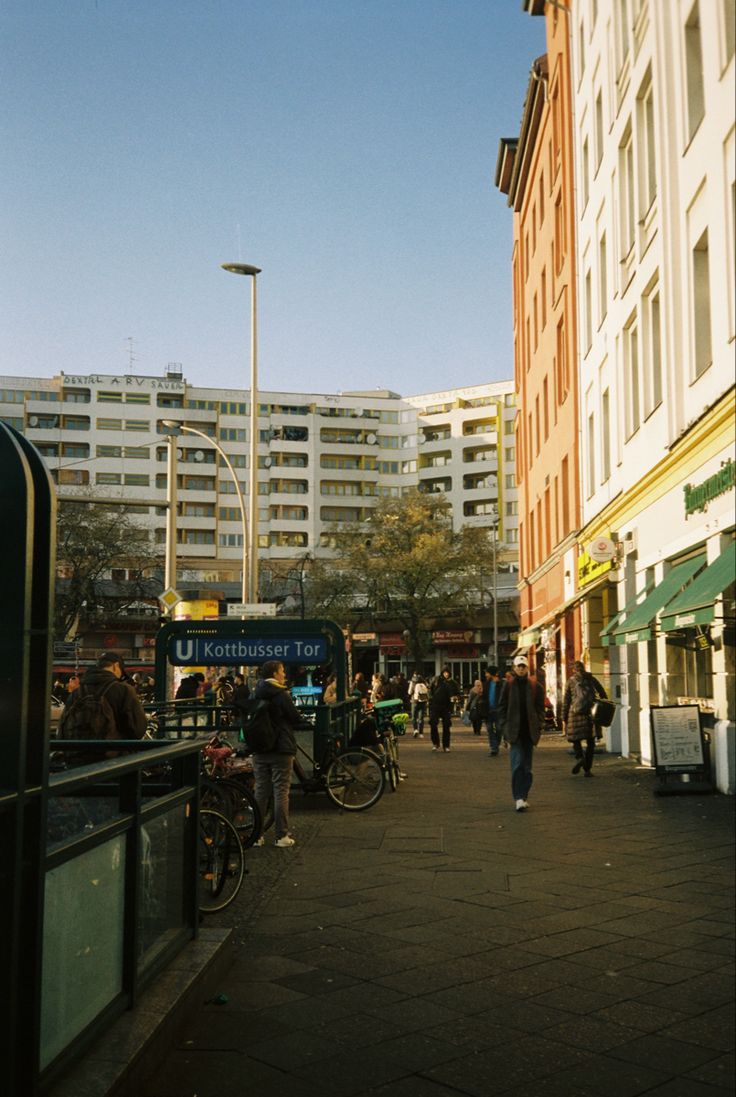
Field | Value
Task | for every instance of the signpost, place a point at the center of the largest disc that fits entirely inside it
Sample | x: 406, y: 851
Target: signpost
x: 251, y: 610
x: 681, y: 756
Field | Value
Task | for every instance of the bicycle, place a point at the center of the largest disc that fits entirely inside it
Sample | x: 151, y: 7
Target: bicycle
x: 391, y: 722
x: 221, y: 865
x: 226, y: 786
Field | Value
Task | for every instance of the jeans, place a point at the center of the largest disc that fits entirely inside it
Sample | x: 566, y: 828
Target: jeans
x: 434, y: 719
x: 418, y: 710
x: 273, y: 774
x: 492, y: 726
x: 521, y: 768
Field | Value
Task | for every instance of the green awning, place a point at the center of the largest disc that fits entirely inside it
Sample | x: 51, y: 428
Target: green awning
x: 607, y: 632
x: 637, y: 625
x: 696, y: 604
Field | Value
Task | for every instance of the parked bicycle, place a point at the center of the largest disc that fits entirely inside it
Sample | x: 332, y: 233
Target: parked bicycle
x: 221, y: 863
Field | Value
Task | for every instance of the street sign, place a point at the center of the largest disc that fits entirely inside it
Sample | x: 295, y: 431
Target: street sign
x: 251, y: 609
x: 228, y: 650
x: 169, y: 598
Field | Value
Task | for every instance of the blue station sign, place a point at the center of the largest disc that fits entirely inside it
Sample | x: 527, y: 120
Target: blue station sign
x: 192, y: 651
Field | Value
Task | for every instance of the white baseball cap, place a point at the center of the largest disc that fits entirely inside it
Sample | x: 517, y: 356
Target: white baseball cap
x: 521, y: 661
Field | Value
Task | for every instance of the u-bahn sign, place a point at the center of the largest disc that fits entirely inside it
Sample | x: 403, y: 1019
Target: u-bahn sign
x: 195, y: 651
x: 234, y: 643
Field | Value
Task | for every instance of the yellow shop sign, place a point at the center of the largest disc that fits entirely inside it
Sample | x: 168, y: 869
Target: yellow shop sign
x: 589, y: 569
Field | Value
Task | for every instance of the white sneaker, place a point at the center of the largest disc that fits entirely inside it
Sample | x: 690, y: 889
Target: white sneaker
x: 421, y: 734
x: 286, y: 842
x: 416, y: 734
x: 435, y: 748
x: 521, y: 805
x: 260, y: 841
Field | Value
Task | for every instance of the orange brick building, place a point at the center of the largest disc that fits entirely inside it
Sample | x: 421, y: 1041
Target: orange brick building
x: 535, y: 171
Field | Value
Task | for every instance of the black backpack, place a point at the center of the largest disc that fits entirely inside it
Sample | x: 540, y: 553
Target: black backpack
x: 256, y: 729
x: 88, y: 715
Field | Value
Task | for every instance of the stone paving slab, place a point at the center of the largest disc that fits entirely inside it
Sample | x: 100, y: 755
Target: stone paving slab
x: 442, y: 944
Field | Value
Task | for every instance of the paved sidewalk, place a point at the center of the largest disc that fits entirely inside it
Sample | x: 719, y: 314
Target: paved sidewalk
x: 441, y: 944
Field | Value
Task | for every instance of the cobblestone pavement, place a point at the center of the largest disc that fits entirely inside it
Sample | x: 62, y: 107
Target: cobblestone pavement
x: 441, y: 944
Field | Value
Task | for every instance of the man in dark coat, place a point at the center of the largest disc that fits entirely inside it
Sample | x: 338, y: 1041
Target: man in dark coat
x: 520, y: 721
x: 272, y: 770
x: 107, y: 678
x: 442, y: 690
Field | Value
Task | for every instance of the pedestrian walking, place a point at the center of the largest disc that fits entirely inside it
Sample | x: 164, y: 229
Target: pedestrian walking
x: 418, y: 696
x: 520, y: 720
x: 474, y: 706
x: 491, y: 693
x: 443, y: 690
x: 272, y: 769
x: 581, y: 693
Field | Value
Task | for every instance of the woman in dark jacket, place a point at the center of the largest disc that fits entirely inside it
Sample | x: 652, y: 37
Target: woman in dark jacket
x: 580, y: 695
x: 273, y: 770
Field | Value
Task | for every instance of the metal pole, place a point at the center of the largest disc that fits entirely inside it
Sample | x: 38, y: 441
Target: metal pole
x: 170, y: 564
x: 253, y: 447
x: 241, y: 501
x: 495, y: 596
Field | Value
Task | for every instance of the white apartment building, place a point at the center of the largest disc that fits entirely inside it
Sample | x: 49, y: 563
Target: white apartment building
x: 322, y: 459
x: 655, y: 182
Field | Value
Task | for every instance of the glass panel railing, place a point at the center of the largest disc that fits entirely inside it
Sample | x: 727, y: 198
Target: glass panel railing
x: 160, y: 912
x: 82, y: 943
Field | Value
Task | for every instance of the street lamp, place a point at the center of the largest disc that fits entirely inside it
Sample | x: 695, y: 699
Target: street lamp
x: 178, y: 427
x: 245, y: 268
x: 494, y: 531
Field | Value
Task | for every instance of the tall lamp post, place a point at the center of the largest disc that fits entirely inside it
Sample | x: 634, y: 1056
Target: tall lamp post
x: 245, y: 268
x: 494, y: 532
x: 170, y: 559
x: 178, y: 428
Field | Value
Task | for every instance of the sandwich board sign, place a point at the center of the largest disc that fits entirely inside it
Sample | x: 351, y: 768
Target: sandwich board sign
x: 681, y: 756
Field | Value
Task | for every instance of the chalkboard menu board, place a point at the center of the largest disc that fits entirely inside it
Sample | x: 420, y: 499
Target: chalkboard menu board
x: 678, y: 739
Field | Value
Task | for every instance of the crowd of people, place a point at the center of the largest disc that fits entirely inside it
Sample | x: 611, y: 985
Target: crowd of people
x: 512, y: 708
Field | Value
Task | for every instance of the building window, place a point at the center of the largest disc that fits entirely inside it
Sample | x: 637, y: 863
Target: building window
x: 586, y: 172
x: 599, y: 134
x: 109, y: 424
x: 701, y: 305
x: 137, y: 424
x: 602, y: 279
x: 543, y: 296
x: 591, y: 454
x: 561, y: 362
x: 110, y: 397
x: 108, y: 478
x: 75, y: 449
x: 627, y: 206
x: 565, y: 497
x: 588, y: 311
x: 545, y: 400
x: 606, y: 436
x: 729, y: 27
x: 559, y: 234
x: 647, y: 147
x: 631, y: 376
x: 694, y: 71
x: 652, y: 352
x: 231, y: 434
x: 136, y: 480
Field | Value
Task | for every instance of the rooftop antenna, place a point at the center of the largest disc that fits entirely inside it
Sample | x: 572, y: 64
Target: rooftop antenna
x: 131, y: 356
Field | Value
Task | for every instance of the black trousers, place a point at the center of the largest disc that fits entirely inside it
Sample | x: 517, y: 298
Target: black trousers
x: 434, y: 718
x: 585, y: 755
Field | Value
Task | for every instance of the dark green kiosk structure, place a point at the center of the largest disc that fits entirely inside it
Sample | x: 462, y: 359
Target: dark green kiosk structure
x: 249, y: 643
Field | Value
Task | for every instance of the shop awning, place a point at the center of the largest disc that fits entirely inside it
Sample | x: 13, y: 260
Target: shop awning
x: 636, y: 625
x: 606, y: 633
x: 696, y: 604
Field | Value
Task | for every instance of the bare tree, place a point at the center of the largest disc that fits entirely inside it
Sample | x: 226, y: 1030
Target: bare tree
x: 404, y: 563
x: 92, y: 538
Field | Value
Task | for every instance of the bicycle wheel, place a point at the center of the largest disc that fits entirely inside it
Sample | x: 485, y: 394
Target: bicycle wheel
x: 392, y: 765
x: 221, y: 864
x: 244, y: 782
x: 246, y: 815
x: 354, y: 780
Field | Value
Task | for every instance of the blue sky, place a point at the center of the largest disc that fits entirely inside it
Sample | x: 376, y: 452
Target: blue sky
x: 347, y: 147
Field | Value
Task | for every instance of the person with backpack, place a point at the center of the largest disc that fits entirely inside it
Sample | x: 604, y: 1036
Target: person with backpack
x: 581, y: 693
x: 273, y: 755
x: 491, y: 694
x: 418, y: 697
x: 105, y: 706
